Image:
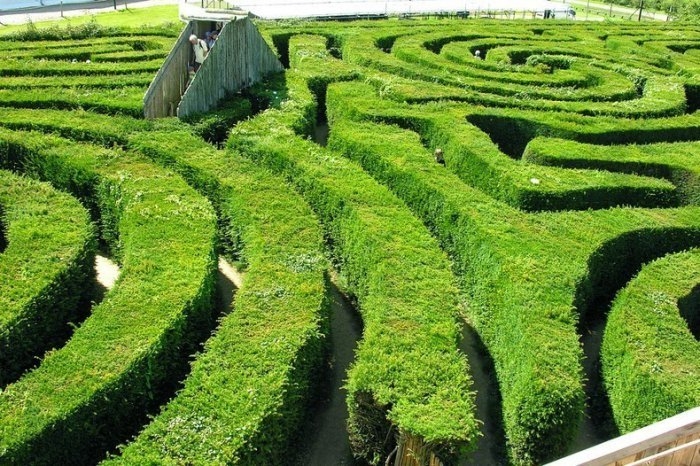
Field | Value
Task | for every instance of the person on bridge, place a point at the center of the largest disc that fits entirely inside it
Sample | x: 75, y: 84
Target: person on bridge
x: 200, y: 49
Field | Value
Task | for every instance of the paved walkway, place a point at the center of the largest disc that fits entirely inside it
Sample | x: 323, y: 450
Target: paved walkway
x: 56, y: 12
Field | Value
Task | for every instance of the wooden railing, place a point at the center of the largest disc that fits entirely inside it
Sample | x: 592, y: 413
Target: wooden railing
x: 163, y: 95
x: 239, y: 58
x: 673, y: 441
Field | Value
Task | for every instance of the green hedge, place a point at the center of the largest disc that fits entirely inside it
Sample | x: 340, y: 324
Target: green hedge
x: 526, y: 275
x: 483, y: 165
x: 46, y: 269
x: 524, y: 125
x: 247, y: 393
x: 676, y: 162
x: 55, y: 49
x: 407, y: 369
x: 78, y: 125
x: 105, y: 54
x: 92, y: 393
x: 411, y: 81
x: 538, y: 370
x: 649, y: 355
x: 580, y: 82
x: 91, y: 30
x: 123, y: 100
x: 94, y: 82
x: 214, y: 126
x: 18, y: 67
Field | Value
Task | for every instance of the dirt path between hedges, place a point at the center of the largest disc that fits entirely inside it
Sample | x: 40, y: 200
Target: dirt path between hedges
x: 108, y: 272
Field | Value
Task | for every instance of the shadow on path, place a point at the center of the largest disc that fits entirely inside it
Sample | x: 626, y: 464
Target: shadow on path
x: 326, y: 441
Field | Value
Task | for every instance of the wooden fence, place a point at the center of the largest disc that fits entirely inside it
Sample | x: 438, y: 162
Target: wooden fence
x: 673, y: 441
x: 239, y: 58
x: 163, y: 95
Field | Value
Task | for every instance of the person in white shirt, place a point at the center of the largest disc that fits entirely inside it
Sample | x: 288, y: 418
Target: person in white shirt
x: 200, y: 51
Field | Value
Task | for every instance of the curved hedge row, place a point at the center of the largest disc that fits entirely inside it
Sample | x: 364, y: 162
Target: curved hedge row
x: 246, y: 395
x: 9, y: 68
x: 87, y: 396
x: 24, y: 82
x: 44, y: 268
x: 649, y: 355
x: 538, y: 371
x: 518, y: 285
x: 483, y: 164
x: 410, y: 80
x: 122, y: 100
x: 407, y: 373
x: 530, y: 267
x: 78, y: 125
x: 676, y: 162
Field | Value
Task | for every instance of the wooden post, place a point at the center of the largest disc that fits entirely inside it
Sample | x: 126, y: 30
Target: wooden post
x: 411, y: 451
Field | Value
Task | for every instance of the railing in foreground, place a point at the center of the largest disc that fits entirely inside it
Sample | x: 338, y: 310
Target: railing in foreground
x: 673, y: 441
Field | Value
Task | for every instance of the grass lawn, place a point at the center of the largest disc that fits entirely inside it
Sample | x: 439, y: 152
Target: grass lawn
x: 134, y: 17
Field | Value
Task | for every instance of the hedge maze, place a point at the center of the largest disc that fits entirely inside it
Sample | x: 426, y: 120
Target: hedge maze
x: 569, y: 194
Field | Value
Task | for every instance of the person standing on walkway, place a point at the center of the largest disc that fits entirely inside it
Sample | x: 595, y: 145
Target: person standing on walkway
x: 200, y: 51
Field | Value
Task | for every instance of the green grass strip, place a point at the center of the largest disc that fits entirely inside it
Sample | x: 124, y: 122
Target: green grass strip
x: 94, y: 392
x: 45, y: 269
x: 163, y: 17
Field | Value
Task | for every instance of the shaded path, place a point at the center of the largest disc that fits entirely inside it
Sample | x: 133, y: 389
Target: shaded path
x: 326, y: 441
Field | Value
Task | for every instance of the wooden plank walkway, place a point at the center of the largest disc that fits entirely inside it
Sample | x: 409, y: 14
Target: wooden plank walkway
x: 673, y: 441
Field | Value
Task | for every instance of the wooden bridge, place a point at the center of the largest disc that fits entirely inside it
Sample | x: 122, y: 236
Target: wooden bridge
x: 240, y: 57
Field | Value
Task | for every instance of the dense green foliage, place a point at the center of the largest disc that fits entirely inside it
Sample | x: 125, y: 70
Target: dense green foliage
x: 274, y: 340
x: 648, y: 346
x: 45, y: 268
x: 123, y: 357
x: 569, y: 167
x: 406, y: 367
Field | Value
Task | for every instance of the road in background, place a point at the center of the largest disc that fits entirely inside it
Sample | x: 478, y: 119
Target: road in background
x: 45, y: 13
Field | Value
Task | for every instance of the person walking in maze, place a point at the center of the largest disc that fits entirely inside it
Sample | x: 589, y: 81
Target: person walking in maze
x: 439, y: 156
x: 200, y: 49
